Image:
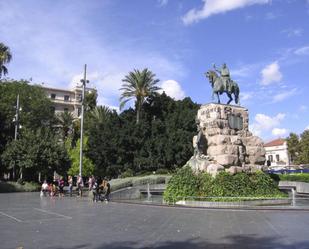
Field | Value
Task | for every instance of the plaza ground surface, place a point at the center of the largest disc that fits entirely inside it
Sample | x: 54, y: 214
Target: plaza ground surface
x: 28, y: 221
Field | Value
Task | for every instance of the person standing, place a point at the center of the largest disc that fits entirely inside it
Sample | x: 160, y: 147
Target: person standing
x: 107, y: 189
x: 61, y: 187
x: 80, y: 185
x: 70, y: 182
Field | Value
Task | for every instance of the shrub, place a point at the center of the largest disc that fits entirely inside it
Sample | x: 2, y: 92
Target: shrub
x: 7, y: 187
x: 127, y: 173
x: 184, y: 183
x: 300, y: 177
x: 162, y: 171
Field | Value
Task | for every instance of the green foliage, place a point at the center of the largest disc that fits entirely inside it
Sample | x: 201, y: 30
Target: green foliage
x: 74, y: 153
x: 162, y: 172
x: 35, y: 109
x: 36, y: 151
x: 186, y: 184
x: 293, y: 146
x: 5, y: 58
x: 138, y: 85
x: 7, y: 187
x: 304, y: 148
x: 161, y: 140
x: 127, y: 173
x: 300, y: 177
x: 298, y: 147
x: 183, y: 184
x: 65, y: 121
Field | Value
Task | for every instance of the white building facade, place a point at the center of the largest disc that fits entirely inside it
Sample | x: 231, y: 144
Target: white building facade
x: 66, y: 100
x: 277, y: 154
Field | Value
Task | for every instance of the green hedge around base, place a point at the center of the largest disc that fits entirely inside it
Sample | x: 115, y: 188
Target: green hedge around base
x: 186, y: 184
x: 299, y: 177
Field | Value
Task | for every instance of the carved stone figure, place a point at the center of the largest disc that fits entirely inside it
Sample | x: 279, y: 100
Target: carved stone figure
x: 225, y: 74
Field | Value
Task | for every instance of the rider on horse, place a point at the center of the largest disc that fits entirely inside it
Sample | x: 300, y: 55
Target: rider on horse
x: 225, y: 74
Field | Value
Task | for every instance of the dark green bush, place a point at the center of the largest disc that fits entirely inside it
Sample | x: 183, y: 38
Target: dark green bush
x: 183, y: 183
x: 7, y: 187
x: 162, y: 171
x: 127, y: 173
x: 300, y: 177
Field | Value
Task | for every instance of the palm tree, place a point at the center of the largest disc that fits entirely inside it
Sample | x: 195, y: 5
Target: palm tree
x: 100, y: 114
x: 5, y: 57
x: 65, y: 121
x: 138, y: 85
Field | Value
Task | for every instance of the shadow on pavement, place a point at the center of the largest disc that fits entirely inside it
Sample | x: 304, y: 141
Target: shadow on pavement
x: 230, y: 242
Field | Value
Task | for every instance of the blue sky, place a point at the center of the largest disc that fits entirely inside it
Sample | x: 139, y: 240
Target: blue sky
x: 265, y: 43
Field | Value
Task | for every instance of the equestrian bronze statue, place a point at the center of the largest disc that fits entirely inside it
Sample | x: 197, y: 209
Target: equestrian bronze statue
x: 223, y: 84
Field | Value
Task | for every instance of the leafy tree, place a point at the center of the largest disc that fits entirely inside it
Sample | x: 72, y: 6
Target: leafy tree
x: 293, y: 146
x: 74, y: 153
x: 161, y: 140
x: 304, y: 147
x: 5, y: 57
x: 36, y: 151
x: 104, y: 148
x: 36, y: 109
x: 138, y: 85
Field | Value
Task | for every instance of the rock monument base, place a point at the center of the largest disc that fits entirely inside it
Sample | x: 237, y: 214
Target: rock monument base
x: 224, y: 141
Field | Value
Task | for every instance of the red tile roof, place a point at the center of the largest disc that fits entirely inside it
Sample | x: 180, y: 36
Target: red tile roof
x: 275, y: 142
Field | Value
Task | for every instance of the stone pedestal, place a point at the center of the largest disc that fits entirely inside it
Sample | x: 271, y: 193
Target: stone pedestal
x: 225, y: 140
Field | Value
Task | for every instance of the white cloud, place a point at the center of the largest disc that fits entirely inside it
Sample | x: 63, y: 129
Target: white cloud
x: 302, y: 51
x: 173, y: 89
x: 279, y: 132
x: 303, y: 108
x: 263, y: 123
x: 271, y: 74
x: 293, y: 32
x: 246, y: 95
x: 271, y: 16
x: 307, y: 128
x: 284, y: 95
x: 162, y: 2
x: 212, y: 7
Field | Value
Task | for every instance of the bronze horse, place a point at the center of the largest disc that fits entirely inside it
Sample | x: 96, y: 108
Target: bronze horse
x: 218, y: 87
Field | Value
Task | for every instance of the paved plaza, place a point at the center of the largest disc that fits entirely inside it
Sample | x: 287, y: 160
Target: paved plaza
x: 28, y: 222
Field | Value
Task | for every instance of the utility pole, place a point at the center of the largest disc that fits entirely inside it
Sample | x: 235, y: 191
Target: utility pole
x: 16, y: 120
x: 84, y: 82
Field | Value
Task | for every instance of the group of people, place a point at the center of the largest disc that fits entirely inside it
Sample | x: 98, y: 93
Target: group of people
x: 54, y: 188
x: 100, y: 189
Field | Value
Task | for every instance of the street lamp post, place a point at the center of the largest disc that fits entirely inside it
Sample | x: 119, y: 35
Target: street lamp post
x: 16, y: 120
x: 84, y: 82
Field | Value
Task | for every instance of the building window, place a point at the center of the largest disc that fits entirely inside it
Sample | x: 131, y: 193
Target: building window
x: 52, y: 95
x: 78, y: 112
x: 66, y: 109
x: 277, y: 158
x: 270, y: 158
x: 66, y: 97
